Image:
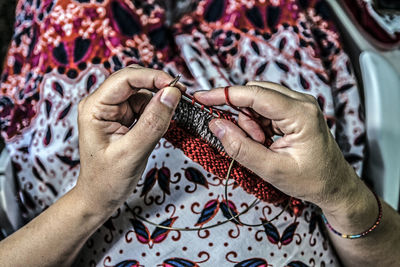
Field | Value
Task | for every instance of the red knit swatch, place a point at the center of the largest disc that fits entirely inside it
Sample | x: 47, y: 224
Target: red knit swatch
x: 218, y: 163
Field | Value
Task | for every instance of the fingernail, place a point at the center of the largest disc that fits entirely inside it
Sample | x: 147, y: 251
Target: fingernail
x: 170, y: 97
x: 218, y: 129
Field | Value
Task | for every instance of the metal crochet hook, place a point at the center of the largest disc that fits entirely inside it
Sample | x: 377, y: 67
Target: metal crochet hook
x: 190, y: 100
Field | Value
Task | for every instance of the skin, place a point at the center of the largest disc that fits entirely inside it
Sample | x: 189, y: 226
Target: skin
x: 305, y: 163
x: 113, y: 158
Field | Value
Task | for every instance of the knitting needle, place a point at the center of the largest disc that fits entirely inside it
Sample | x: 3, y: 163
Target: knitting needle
x: 175, y: 81
x: 190, y: 100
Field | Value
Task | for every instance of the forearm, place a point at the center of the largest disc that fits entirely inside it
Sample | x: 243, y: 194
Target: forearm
x: 112, y: 160
x: 53, y: 238
x: 357, y: 214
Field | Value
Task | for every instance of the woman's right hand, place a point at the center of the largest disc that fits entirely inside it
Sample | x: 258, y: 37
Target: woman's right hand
x: 307, y: 163
x: 113, y: 155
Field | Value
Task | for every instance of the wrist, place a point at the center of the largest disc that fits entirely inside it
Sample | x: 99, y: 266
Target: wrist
x: 355, y: 212
x: 345, y: 194
x: 89, y: 205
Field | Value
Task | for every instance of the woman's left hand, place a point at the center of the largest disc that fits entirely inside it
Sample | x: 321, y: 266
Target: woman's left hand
x: 305, y: 162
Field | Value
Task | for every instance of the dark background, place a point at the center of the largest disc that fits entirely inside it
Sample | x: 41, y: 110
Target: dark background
x: 7, y: 16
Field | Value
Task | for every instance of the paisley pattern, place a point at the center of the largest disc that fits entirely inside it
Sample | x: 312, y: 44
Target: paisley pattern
x: 63, y: 50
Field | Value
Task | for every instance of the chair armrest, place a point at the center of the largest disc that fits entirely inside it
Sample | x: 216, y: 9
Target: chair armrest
x: 382, y: 98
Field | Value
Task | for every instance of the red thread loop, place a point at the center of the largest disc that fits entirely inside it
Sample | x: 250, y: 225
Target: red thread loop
x: 227, y: 100
x: 218, y: 163
x: 244, y: 111
x: 268, y: 140
x: 202, y: 107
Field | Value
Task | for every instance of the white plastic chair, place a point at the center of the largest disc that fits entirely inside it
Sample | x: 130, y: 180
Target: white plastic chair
x: 380, y: 74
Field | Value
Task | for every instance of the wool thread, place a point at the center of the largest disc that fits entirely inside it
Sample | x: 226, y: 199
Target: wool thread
x: 217, y: 162
x: 220, y: 164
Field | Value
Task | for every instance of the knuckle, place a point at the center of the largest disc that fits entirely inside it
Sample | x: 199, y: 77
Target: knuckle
x: 97, y: 110
x: 311, y: 98
x: 113, y: 112
x: 258, y: 98
x: 126, y: 70
x: 163, y: 74
x: 134, y: 66
x: 312, y: 109
x: 256, y: 89
x: 116, y: 73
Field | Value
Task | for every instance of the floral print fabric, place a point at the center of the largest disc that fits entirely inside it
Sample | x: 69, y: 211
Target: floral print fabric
x: 63, y: 50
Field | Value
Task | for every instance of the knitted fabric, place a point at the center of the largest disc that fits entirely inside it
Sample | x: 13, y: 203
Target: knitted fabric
x: 63, y: 50
x: 217, y: 162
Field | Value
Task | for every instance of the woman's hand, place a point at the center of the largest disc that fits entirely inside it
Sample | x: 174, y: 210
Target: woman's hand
x: 113, y: 153
x: 305, y: 162
x: 113, y: 156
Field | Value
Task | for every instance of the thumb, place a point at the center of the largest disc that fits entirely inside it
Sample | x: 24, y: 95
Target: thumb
x: 249, y: 153
x: 153, y: 122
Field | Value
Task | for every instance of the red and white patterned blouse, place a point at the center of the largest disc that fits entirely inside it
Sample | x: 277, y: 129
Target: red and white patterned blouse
x: 63, y: 50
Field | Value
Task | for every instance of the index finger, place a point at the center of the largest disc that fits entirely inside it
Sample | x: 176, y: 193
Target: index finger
x: 122, y: 84
x: 266, y: 102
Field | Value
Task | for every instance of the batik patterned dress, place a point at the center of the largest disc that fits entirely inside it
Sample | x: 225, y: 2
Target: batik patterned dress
x: 63, y: 50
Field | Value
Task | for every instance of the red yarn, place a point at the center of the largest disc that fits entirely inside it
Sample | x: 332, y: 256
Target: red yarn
x: 228, y: 101
x: 218, y: 163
